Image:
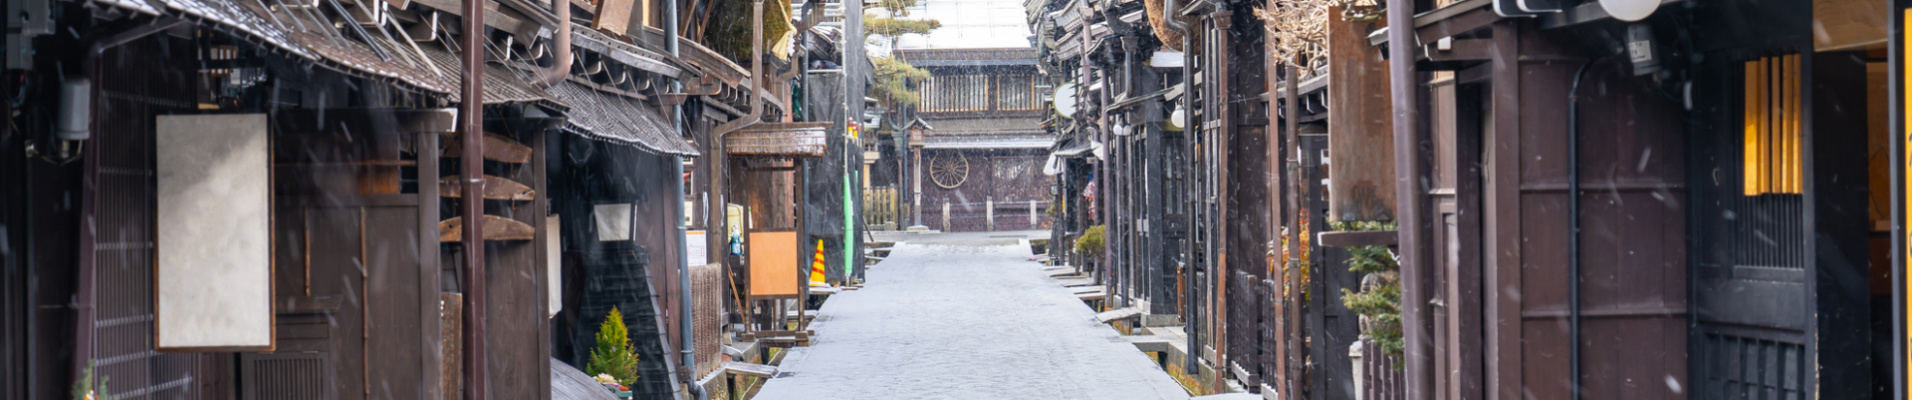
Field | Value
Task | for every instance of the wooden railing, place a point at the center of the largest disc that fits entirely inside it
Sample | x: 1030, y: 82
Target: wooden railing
x: 880, y: 207
x: 1378, y: 375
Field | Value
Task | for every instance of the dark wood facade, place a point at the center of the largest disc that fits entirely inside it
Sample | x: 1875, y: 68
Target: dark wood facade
x: 1007, y: 181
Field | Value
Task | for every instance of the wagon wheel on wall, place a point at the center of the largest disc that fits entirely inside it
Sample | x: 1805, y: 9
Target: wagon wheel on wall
x: 949, y: 169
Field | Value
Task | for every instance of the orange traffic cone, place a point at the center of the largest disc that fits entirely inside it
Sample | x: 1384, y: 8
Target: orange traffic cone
x: 816, y: 267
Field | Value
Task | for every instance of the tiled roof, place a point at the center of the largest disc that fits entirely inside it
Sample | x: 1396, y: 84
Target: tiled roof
x: 502, y: 85
x: 615, y: 118
x: 790, y: 139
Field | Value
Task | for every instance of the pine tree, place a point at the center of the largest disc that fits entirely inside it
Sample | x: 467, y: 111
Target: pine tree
x: 613, y: 354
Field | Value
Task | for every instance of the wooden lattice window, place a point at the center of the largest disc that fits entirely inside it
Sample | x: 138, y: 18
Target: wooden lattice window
x: 1772, y: 118
x: 955, y: 93
x: 1016, y: 93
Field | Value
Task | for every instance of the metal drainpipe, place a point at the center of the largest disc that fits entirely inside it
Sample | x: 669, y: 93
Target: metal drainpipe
x: 1112, y: 229
x: 561, y: 68
x: 686, y: 310
x: 87, y: 304
x: 1125, y: 153
x: 1573, y: 225
x: 1176, y: 25
x: 471, y: 129
x: 1407, y: 189
x: 1292, y: 122
x: 1222, y: 18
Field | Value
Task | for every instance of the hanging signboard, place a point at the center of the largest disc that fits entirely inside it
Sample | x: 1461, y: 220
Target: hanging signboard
x: 213, y: 233
x: 773, y: 264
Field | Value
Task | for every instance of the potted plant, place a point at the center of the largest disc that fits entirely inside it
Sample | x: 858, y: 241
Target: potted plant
x: 612, y: 362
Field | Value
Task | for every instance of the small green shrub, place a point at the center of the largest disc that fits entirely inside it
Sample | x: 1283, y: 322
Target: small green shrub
x: 1379, y: 301
x: 1091, y: 243
x: 87, y: 389
x: 613, y: 354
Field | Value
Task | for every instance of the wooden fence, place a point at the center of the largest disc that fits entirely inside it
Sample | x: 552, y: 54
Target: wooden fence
x: 880, y: 207
x: 1378, y: 377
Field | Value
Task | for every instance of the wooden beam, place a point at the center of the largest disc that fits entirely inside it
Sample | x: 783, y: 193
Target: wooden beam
x: 506, y: 20
x: 1460, y: 50
x: 1357, y: 238
x: 496, y: 188
x: 1465, y: 22
x: 497, y: 148
x: 496, y: 229
x: 613, y: 16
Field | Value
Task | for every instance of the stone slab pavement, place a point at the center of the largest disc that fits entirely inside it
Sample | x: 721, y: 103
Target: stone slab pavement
x: 964, y: 319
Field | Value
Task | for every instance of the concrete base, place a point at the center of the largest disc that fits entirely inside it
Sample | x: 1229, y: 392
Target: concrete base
x: 1161, y: 320
x: 918, y: 229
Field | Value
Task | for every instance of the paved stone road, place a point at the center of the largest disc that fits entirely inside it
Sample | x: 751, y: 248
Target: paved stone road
x: 964, y: 317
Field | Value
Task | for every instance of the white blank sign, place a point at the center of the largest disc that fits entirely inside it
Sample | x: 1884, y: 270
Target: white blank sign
x: 214, y: 233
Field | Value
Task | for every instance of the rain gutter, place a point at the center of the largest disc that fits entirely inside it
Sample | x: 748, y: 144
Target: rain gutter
x: 686, y: 310
x: 471, y: 128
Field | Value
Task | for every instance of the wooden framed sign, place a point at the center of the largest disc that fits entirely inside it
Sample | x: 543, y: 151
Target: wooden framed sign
x: 773, y: 264
x: 214, y: 233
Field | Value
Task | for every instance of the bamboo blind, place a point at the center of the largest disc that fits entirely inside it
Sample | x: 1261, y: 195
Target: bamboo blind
x: 1772, y: 120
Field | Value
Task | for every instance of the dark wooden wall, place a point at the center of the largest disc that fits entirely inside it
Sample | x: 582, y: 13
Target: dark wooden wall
x: 1633, y: 177
x: 138, y: 82
x: 1010, y: 177
x: 356, y: 268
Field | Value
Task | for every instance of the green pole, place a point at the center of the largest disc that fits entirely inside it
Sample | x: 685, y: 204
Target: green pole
x: 849, y: 220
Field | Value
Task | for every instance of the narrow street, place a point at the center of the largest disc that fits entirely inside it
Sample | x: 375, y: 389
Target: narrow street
x: 965, y: 316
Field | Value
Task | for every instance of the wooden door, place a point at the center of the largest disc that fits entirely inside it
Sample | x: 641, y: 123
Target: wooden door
x: 1752, y: 259
x: 348, y: 324
x: 355, y: 269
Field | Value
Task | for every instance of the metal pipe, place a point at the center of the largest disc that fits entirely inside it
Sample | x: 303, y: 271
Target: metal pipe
x: 1222, y: 20
x: 689, y: 347
x: 561, y: 66
x: 1573, y: 227
x: 471, y: 126
x: 1189, y: 302
x: 715, y: 155
x: 86, y: 294
x: 1292, y: 194
x: 1407, y: 186
x: 1121, y: 146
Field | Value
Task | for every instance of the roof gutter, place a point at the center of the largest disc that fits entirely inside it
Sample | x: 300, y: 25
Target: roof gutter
x: 561, y: 69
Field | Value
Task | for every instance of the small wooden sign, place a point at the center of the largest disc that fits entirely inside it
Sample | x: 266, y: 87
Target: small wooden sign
x: 773, y: 264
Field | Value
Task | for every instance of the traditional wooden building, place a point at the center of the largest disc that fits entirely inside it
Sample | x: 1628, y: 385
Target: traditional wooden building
x: 1693, y: 184
x: 324, y: 150
x: 980, y: 165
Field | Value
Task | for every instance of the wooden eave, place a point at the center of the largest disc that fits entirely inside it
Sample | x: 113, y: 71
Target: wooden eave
x: 501, y: 18
x: 1452, y: 20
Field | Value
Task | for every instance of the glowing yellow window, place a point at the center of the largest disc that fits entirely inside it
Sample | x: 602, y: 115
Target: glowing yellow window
x: 1772, y: 120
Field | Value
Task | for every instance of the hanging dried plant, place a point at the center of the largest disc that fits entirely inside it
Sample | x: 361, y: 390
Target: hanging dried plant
x: 1298, y: 32
x: 1170, y: 39
x: 1362, y: 10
